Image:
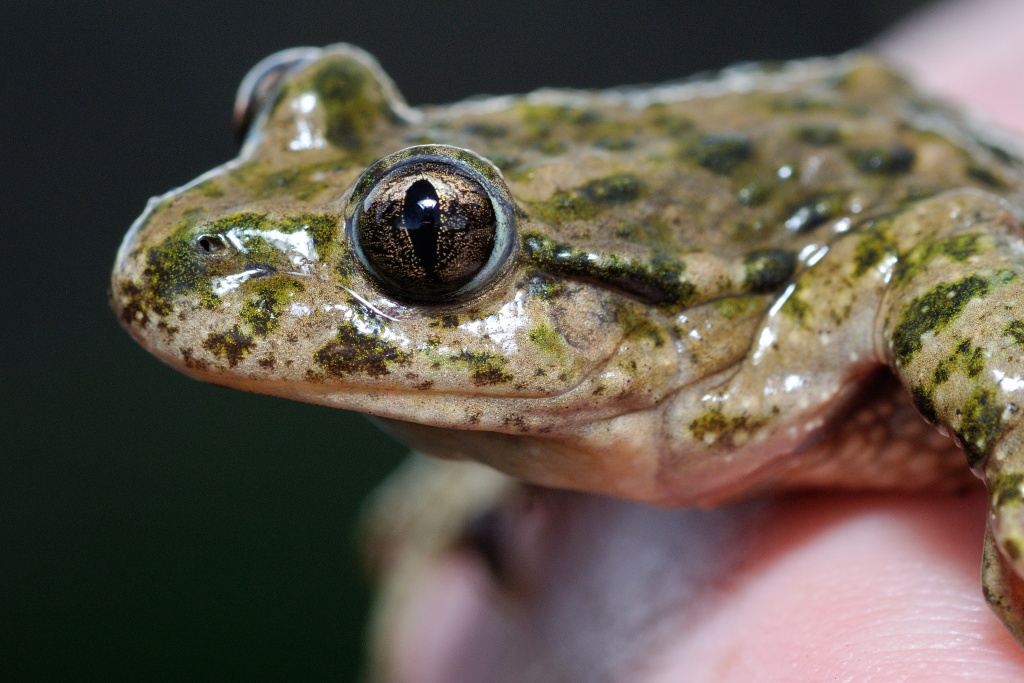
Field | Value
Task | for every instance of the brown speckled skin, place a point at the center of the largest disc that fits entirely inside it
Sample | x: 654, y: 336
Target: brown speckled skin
x: 714, y: 288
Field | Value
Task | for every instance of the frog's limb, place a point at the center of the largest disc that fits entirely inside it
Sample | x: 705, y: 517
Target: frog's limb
x: 417, y: 516
x: 1003, y: 587
x: 952, y: 325
x: 791, y: 411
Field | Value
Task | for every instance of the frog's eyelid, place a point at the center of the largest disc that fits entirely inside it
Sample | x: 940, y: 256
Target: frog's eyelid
x: 366, y: 302
x: 261, y: 81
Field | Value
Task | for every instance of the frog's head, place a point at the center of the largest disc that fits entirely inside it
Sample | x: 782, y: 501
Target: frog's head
x: 338, y: 262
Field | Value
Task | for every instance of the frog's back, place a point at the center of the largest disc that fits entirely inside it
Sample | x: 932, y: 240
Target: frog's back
x: 754, y: 157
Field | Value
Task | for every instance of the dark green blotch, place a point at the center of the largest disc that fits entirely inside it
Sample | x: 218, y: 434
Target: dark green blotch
x: 636, y: 324
x: 354, y: 352
x: 139, y: 302
x: 981, y: 425
x: 1006, y: 489
x: 818, y: 134
x: 1003, y: 276
x: 321, y: 228
x: 916, y: 193
x: 815, y: 210
x: 965, y: 358
x: 544, y: 287
x: 732, y: 307
x: 548, y: 339
x: 173, y: 269
x: 615, y: 144
x: 262, y: 310
x: 259, y: 253
x: 724, y: 429
x: 353, y: 101
x: 765, y: 270
x: 923, y: 399
x: 505, y: 162
x: 616, y: 189
x: 796, y: 308
x: 755, y: 191
x: 886, y: 160
x: 295, y: 181
x: 961, y: 247
x: 985, y: 176
x: 446, y: 322
x: 545, y: 115
x: 649, y: 230
x: 721, y: 153
x: 233, y: 345
x: 670, y: 123
x: 658, y: 282
x: 749, y: 231
x: 587, y: 200
x: 800, y: 104
x: 957, y: 248
x: 485, y: 368
x: 933, y: 312
x: 873, y: 245
x: 553, y: 148
x: 565, y: 206
x: 486, y: 130
x: 1015, y: 331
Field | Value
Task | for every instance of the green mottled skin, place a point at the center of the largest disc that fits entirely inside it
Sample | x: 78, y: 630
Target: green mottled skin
x: 716, y: 288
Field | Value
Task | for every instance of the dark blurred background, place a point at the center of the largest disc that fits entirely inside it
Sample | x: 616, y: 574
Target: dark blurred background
x: 152, y: 527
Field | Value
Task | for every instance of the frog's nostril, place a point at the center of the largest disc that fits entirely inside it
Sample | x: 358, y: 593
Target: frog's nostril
x: 210, y: 244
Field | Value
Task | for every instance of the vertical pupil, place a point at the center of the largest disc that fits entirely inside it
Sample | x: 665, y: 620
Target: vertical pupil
x: 422, y: 220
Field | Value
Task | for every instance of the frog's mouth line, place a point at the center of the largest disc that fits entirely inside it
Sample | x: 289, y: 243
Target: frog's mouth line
x: 450, y: 409
x: 466, y: 410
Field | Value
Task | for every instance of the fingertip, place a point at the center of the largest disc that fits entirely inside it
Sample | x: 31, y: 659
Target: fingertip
x: 970, y: 52
x: 868, y: 588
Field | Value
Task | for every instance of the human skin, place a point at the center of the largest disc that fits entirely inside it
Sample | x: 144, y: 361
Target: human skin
x: 808, y: 587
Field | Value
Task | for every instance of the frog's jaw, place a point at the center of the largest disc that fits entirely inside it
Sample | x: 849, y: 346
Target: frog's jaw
x: 1003, y: 563
x: 1003, y: 586
x: 617, y: 457
x: 450, y: 402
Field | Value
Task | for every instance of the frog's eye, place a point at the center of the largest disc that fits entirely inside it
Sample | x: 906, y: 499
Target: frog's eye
x: 262, y: 80
x: 432, y: 223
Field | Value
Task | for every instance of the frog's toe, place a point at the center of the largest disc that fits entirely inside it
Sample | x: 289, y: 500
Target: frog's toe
x: 1007, y: 524
x: 1006, y: 520
x: 1003, y: 586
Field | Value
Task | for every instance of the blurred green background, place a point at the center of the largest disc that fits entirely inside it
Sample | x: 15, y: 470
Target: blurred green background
x: 152, y: 527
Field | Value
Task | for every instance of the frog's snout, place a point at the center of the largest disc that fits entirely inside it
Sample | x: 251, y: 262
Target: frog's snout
x: 152, y: 268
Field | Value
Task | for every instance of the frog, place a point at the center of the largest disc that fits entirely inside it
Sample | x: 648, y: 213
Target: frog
x: 774, y: 277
